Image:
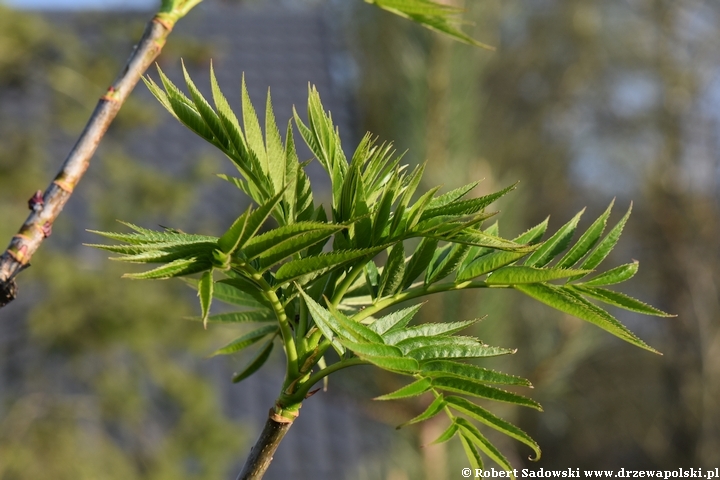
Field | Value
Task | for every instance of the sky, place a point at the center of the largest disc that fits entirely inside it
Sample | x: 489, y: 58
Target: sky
x: 81, y: 4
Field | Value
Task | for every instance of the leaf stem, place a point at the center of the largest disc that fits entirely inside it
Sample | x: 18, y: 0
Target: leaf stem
x: 350, y: 277
x: 317, y: 376
x: 287, y: 333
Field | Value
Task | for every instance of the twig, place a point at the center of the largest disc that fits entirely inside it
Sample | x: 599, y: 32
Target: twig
x: 47, y: 206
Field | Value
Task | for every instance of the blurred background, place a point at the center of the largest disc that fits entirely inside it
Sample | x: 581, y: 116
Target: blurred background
x: 583, y: 102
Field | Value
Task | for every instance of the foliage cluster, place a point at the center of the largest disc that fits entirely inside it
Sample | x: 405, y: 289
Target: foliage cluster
x: 323, y: 280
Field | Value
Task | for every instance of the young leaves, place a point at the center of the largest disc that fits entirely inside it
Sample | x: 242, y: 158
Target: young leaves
x: 288, y: 272
x: 568, y: 301
x: 246, y: 340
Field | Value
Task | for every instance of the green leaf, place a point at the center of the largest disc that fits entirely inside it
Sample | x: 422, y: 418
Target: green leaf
x: 164, y: 254
x: 444, y: 368
x: 323, y: 319
x: 514, y: 275
x: 448, y: 264
x: 433, y: 409
x: 452, y: 195
x: 534, y: 234
x: 466, y: 207
x: 619, y: 300
x: 452, y: 348
x: 253, y: 133
x: 264, y: 315
x: 240, y: 291
x: 463, y: 405
x: 555, y: 244
x: 482, y: 239
x: 363, y: 349
x: 230, y: 240
x: 395, y: 320
x: 372, y: 278
x: 607, y: 244
x: 321, y: 263
x: 158, y: 93
x: 295, y: 245
x: 393, y: 272
x: 384, y: 207
x: 419, y: 261
x: 471, y: 452
x: 184, y: 109
x: 274, y: 147
x: 227, y: 117
x: 292, y: 165
x: 586, y: 241
x: 256, y: 219
x: 488, y: 263
x: 392, y: 364
x: 413, y: 390
x: 413, y: 343
x: 447, y: 434
x: 205, y: 292
x: 146, y: 236
x: 468, y: 387
x: 430, y: 15
x: 177, y: 268
x: 256, y: 363
x: 411, y: 184
x: 283, y: 237
x: 205, y: 110
x: 351, y: 329
x: 565, y: 300
x: 615, y: 275
x: 304, y: 206
x: 415, y: 213
x: 246, y: 340
x: 427, y: 330
x: 471, y: 432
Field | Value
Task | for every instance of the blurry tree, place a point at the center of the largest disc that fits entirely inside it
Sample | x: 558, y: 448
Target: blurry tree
x: 94, y: 383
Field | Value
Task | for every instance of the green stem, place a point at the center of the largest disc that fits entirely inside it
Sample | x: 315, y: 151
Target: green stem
x: 268, y: 292
x: 347, y: 282
x: 316, y: 377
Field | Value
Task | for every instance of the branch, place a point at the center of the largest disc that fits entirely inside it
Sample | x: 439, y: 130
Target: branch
x: 47, y: 206
x: 262, y: 452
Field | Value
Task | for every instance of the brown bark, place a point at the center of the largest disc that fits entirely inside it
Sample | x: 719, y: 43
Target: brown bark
x: 262, y: 452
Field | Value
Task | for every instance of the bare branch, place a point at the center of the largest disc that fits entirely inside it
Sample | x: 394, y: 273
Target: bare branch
x: 47, y: 206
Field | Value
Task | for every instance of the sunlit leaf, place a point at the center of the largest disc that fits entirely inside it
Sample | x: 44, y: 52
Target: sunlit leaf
x: 445, y: 368
x: 564, y: 300
x: 395, y: 320
x: 433, y: 409
x: 468, y: 387
x: 555, y: 244
x: 619, y: 300
x: 514, y: 275
x: 246, y: 340
x: 413, y: 390
x: 613, y: 276
x: 426, y: 330
x: 465, y: 406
